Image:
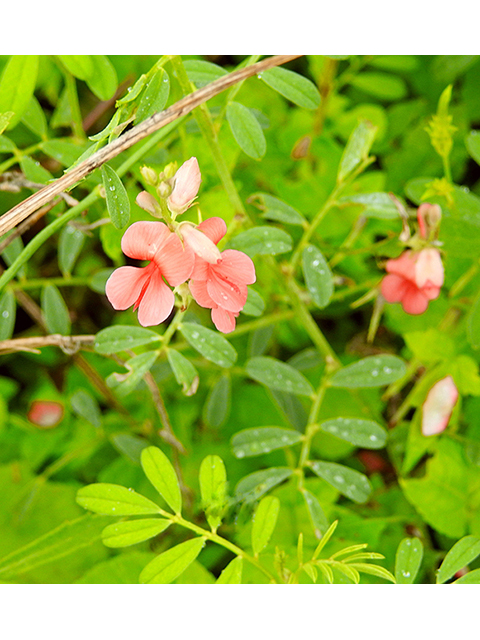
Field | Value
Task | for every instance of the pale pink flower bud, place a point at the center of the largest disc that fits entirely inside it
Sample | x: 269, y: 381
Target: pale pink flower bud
x: 428, y: 216
x: 199, y: 243
x: 438, y: 406
x: 148, y: 203
x: 429, y: 269
x: 186, y: 185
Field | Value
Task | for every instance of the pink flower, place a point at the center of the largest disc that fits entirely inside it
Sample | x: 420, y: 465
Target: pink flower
x: 144, y: 287
x: 45, y: 414
x: 222, y: 287
x: 413, y: 279
x: 186, y: 186
x: 199, y: 243
x: 438, y: 406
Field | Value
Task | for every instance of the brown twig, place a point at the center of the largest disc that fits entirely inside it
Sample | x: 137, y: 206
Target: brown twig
x: 21, y: 211
x: 68, y: 344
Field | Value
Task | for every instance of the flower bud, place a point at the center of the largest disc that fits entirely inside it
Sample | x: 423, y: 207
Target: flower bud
x: 45, y: 414
x: 149, y: 175
x: 199, y: 243
x: 428, y: 216
x: 187, y: 182
x: 438, y: 406
x: 148, y: 203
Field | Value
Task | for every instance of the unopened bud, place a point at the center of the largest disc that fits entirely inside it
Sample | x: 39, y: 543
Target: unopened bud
x: 428, y: 216
x: 186, y: 186
x: 148, y: 203
x: 438, y: 406
x: 149, y: 175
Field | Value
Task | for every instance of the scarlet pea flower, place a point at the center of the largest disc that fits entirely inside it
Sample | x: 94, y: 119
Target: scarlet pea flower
x: 222, y: 287
x: 186, y: 185
x: 438, y: 406
x: 414, y: 279
x: 144, y: 287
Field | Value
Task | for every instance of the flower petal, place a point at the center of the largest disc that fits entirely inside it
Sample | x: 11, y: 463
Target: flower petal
x: 143, y: 239
x: 227, y: 295
x: 175, y: 261
x: 125, y: 285
x: 429, y: 267
x: 187, y: 183
x: 438, y: 406
x: 200, y: 243
x: 198, y: 289
x: 414, y: 301
x: 237, y: 267
x: 157, y: 301
x: 224, y: 320
x: 214, y: 228
x: 403, y: 266
x: 201, y: 269
x: 393, y: 288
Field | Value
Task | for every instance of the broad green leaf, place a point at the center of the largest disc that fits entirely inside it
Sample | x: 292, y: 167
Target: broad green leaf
x: 292, y: 86
x: 118, y: 204
x: 315, y: 511
x: 373, y: 371
x: 213, y: 489
x: 275, y: 209
x: 246, y: 130
x: 264, y: 521
x: 7, y: 314
x: 123, y: 337
x: 155, y: 96
x: 361, y: 433
x: 103, y: 79
x: 374, y: 205
x: 184, y: 372
x: 201, y: 72
x: 472, y: 143
x: 34, y: 171
x: 381, y: 85
x: 129, y: 445
x: 256, y: 484
x: 460, y: 555
x: 137, y: 367
x: 278, y: 375
x: 70, y: 245
x: 255, y: 442
x: 34, y: 118
x: 17, y: 85
x: 55, y: 310
x: 217, y: 406
x: 255, y: 305
x: 374, y: 570
x: 210, y: 344
x: 262, y: 241
x: 79, y: 66
x: 159, y: 470
x: 318, y: 277
x: 166, y: 567
x: 347, y: 481
x: 232, y: 574
x: 408, y: 560
x: 124, y: 534
x: 357, y: 149
x: 85, y: 405
x: 114, y: 500
x: 472, y: 577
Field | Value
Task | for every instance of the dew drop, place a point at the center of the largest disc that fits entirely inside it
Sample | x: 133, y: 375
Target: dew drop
x: 339, y: 479
x: 374, y: 373
x: 5, y: 314
x: 387, y: 370
x: 373, y: 438
x: 406, y: 574
x: 240, y: 453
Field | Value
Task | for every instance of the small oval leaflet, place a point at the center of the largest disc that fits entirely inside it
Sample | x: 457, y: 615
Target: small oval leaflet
x: 121, y: 337
x: 246, y: 130
x: 255, y: 442
x: 292, y: 86
x: 202, y: 72
x: 460, y: 555
x: 137, y: 367
x: 114, y: 500
x: 124, y: 534
x: 361, y: 433
x: 262, y: 241
x: 69, y: 247
x: 264, y: 521
x: 118, y: 204
x: 213, y: 489
x: 217, y: 406
x: 255, y: 485
x: 275, y: 209
x: 316, y: 513
x: 373, y: 371
x: 347, y: 481
x: 357, y: 148
x: 166, y: 567
x: 85, y: 405
x: 8, y: 310
x: 159, y: 470
x: 318, y: 277
x: 408, y: 560
x: 255, y: 304
x: 375, y: 205
x: 278, y: 375
x: 55, y: 310
x: 209, y: 344
x: 184, y: 372
x: 155, y: 96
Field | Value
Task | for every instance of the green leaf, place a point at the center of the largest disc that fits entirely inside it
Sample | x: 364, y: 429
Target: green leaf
x: 473, y: 323
x: 125, y: 383
x: 201, y: 72
x: 292, y: 86
x: 70, y: 245
x: 118, y: 204
x: 86, y: 406
x: 255, y: 442
x: 472, y: 142
x: 129, y: 445
x: 8, y: 309
x: 278, y: 375
x: 472, y: 577
x: 34, y: 171
x: 159, y: 470
x: 256, y: 484
x: 374, y: 205
x: 246, y: 130
x: 325, y: 538
x: 373, y: 371
x: 17, y: 85
x: 63, y: 151
x: 357, y: 149
x: 232, y: 574
x: 123, y: 337
x: 184, y: 372
x: 460, y: 555
x: 318, y: 277
x: 5, y: 143
x: 210, y: 344
x: 55, y: 310
x: 347, y: 481
x: 275, y: 209
x: 316, y: 513
x: 166, y: 567
x: 264, y: 521
x: 79, y: 66
x: 34, y: 118
x: 133, y: 92
x: 124, y: 534
x: 374, y: 570
x: 217, y: 406
x: 114, y: 500
x: 213, y: 489
x: 103, y: 79
x: 381, y: 85
x: 255, y: 304
x: 155, y: 96
x: 408, y: 560
x: 262, y: 241
x: 361, y: 433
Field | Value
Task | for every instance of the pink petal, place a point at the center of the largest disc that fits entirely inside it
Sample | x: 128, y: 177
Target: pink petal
x: 187, y: 184
x: 414, y: 301
x: 201, y: 269
x: 143, y: 239
x: 227, y: 295
x: 198, y: 289
x: 393, y: 288
x: 214, y: 228
x: 429, y: 267
x: 438, y: 406
x: 224, y: 320
x: 124, y: 286
x: 175, y: 261
x: 237, y: 267
x: 157, y: 301
x: 431, y: 291
x: 200, y: 243
x: 148, y: 203
x: 403, y: 266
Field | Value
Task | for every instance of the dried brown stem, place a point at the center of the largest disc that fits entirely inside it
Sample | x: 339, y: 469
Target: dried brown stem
x: 68, y: 344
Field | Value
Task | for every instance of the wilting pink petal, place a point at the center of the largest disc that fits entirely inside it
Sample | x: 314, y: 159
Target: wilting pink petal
x: 186, y: 186
x: 157, y: 301
x: 124, y: 286
x: 199, y: 243
x: 46, y: 414
x: 223, y: 320
x: 229, y: 296
x: 438, y: 406
x: 429, y: 268
x: 143, y: 239
x: 214, y: 228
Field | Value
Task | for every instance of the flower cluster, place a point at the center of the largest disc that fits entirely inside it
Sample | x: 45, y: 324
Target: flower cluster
x: 179, y: 253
